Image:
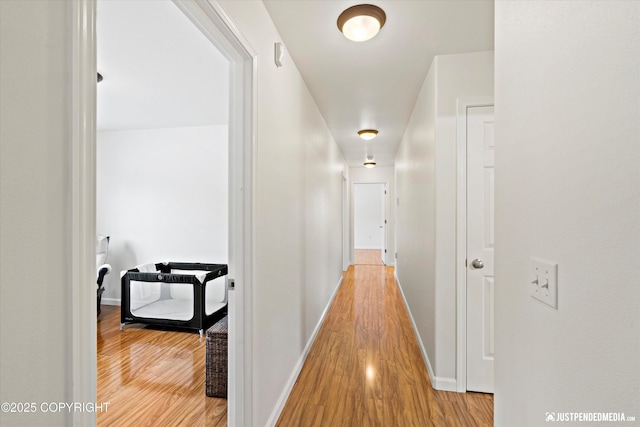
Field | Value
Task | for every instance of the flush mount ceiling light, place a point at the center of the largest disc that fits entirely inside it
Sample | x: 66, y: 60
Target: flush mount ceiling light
x: 369, y: 163
x: 361, y: 22
x: 367, y: 134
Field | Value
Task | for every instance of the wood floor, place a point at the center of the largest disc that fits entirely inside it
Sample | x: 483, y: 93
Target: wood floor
x: 365, y: 367
x: 368, y: 256
x: 152, y: 377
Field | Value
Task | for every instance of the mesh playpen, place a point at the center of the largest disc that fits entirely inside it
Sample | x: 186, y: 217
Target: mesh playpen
x: 176, y: 294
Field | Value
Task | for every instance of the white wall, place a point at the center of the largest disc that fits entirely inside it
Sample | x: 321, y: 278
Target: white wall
x: 297, y: 213
x: 426, y: 165
x: 35, y: 279
x: 368, y: 215
x: 415, y: 211
x: 162, y: 195
x: 376, y: 175
x: 567, y: 190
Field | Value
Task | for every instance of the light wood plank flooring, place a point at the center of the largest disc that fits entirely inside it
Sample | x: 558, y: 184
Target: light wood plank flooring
x: 152, y: 377
x: 367, y: 256
x: 365, y: 367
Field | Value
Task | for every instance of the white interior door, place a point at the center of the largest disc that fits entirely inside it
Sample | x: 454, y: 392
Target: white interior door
x: 368, y: 216
x: 480, y: 248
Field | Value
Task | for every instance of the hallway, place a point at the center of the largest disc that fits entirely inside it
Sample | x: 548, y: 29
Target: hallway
x: 365, y: 367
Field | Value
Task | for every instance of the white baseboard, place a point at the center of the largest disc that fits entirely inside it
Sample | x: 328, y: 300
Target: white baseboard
x: 110, y: 301
x: 446, y: 384
x: 438, y: 383
x: 284, y: 396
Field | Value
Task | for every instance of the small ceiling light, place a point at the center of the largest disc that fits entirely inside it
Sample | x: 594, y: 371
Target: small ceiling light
x: 361, y: 22
x: 369, y: 163
x: 367, y: 134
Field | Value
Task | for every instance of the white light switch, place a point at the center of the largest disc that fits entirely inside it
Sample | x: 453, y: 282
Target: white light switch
x: 543, y: 280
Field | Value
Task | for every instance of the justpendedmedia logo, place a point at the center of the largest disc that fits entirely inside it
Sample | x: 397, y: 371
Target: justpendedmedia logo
x: 591, y: 417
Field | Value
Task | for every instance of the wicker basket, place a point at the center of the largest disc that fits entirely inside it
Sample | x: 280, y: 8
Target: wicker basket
x: 216, y: 360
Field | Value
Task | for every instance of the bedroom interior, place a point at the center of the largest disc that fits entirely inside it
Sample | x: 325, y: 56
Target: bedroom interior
x: 162, y: 196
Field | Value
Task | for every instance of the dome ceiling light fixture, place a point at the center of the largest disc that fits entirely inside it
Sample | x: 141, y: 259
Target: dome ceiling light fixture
x: 361, y: 22
x: 369, y: 163
x: 367, y: 134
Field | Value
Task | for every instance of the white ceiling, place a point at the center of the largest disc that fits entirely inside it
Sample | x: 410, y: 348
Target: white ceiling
x: 375, y: 84
x: 159, y: 69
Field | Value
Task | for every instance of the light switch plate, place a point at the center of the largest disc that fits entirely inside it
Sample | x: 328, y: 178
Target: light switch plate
x: 543, y: 280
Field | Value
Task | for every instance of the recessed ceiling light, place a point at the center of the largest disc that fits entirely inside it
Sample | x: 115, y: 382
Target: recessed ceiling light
x: 369, y: 163
x: 367, y: 134
x: 361, y: 22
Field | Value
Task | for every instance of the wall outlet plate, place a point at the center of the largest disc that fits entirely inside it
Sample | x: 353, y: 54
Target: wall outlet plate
x: 543, y: 280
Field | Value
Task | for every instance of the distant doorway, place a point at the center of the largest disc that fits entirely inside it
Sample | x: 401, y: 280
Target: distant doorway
x: 369, y: 223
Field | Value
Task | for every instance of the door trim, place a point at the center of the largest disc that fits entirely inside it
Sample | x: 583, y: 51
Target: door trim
x: 346, y: 262
x: 461, y: 234
x: 210, y: 18
x: 217, y: 26
x: 82, y: 210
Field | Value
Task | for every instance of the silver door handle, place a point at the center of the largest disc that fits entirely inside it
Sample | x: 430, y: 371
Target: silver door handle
x: 477, y: 263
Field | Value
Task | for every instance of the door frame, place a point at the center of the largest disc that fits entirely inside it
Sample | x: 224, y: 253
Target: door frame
x: 385, y: 224
x: 463, y: 104
x: 346, y: 261
x: 216, y: 25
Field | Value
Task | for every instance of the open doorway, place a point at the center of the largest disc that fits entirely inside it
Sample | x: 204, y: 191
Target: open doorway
x: 209, y: 18
x: 162, y: 195
x: 369, y: 223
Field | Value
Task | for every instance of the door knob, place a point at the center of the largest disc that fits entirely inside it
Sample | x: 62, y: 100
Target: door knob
x: 477, y: 263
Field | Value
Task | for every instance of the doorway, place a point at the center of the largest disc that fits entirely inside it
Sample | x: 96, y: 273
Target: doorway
x: 209, y: 18
x: 369, y: 223
x: 346, y: 261
x: 160, y: 137
x: 475, y: 252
